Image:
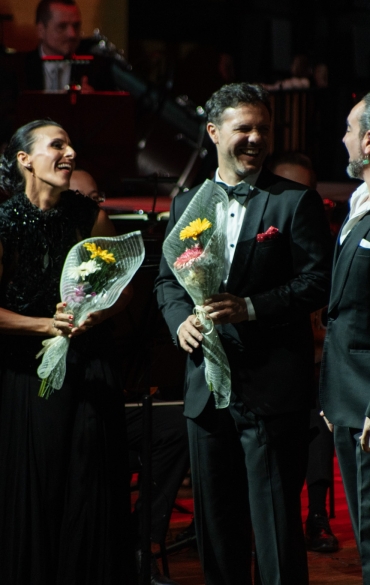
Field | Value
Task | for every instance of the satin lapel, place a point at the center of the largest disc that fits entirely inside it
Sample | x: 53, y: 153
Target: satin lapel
x: 247, y: 237
x: 344, y: 259
x: 337, y: 246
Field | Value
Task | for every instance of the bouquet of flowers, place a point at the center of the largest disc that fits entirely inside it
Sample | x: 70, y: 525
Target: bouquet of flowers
x: 95, y: 272
x: 194, y: 250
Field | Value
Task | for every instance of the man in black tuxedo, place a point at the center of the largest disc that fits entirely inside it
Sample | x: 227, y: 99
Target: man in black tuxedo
x: 58, y: 24
x: 249, y: 460
x: 345, y: 370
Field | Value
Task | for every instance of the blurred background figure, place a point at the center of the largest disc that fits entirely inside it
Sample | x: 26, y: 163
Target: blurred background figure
x: 301, y: 78
x: 58, y: 25
x: 202, y: 71
x: 85, y: 184
x: 319, y: 536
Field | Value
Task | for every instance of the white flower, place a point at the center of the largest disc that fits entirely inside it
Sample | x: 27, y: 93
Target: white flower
x: 195, y: 277
x: 83, y: 270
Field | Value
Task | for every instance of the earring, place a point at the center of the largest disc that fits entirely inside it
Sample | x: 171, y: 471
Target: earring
x: 29, y: 167
x: 365, y: 161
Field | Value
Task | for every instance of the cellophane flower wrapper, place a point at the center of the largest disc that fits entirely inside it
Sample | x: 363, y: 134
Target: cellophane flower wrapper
x: 202, y: 275
x: 129, y: 254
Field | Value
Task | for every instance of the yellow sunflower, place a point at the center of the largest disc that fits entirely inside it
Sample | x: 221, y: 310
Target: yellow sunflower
x: 195, y: 228
x: 97, y: 252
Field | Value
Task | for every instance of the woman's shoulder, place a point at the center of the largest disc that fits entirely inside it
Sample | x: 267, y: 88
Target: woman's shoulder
x: 12, y: 202
x: 11, y: 211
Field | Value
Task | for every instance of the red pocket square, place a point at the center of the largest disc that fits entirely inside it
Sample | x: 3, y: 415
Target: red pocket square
x: 270, y: 234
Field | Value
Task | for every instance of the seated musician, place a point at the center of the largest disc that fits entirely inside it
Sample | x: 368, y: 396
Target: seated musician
x: 58, y: 25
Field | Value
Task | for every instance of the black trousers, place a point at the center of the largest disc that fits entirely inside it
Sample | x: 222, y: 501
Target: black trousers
x: 355, y: 469
x: 248, y: 472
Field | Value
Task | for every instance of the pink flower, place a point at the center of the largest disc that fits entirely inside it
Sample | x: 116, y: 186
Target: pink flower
x: 78, y: 294
x: 187, y: 258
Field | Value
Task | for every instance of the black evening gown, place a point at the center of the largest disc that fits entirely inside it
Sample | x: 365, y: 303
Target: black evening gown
x: 64, y: 490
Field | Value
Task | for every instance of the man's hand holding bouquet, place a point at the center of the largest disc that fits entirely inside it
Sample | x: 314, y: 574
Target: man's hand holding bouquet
x: 195, y: 250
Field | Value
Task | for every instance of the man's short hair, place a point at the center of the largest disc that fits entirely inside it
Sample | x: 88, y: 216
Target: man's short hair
x: 43, y: 10
x: 293, y: 158
x: 290, y: 158
x: 234, y: 95
x: 365, y: 116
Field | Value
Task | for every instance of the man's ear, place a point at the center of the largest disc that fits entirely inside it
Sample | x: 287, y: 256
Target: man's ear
x: 366, y: 144
x: 24, y: 160
x: 213, y: 132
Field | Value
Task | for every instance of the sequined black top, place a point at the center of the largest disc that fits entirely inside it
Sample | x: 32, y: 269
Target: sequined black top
x: 35, y: 246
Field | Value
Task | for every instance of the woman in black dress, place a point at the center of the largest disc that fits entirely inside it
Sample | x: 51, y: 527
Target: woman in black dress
x: 64, y: 498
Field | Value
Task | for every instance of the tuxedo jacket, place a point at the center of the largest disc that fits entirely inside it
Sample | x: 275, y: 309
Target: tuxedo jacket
x: 287, y: 277
x: 31, y: 76
x: 345, y: 369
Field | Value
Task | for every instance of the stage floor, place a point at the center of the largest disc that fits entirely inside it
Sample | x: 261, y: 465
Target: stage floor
x: 341, y: 568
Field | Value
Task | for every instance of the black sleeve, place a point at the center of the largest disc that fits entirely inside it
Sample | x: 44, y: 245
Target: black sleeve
x: 311, y: 251
x: 173, y: 301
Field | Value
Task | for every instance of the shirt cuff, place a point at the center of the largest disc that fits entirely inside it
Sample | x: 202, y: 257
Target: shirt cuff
x: 250, y: 309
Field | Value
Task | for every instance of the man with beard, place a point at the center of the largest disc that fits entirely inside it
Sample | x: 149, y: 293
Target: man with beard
x: 345, y: 370
x: 249, y: 460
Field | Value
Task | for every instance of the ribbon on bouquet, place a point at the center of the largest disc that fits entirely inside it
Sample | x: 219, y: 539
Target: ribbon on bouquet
x: 204, y: 319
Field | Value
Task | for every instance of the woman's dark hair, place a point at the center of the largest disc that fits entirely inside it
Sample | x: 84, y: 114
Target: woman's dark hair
x: 11, y: 178
x: 233, y: 95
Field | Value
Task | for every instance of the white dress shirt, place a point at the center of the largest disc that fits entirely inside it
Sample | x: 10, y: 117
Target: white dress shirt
x: 57, y: 74
x: 234, y: 223
x: 359, y: 206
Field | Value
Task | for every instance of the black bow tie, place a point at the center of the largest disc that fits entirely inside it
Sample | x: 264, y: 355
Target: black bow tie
x: 240, y: 191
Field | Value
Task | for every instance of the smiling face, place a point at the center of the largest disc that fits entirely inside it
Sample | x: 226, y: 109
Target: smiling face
x: 51, y: 161
x: 242, y: 140
x: 61, y: 34
x: 353, y: 142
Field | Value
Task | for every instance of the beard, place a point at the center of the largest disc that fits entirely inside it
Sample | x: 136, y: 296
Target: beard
x: 355, y: 169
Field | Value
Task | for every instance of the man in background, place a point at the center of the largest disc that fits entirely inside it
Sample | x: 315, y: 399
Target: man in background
x: 85, y: 184
x: 319, y: 536
x: 58, y: 25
